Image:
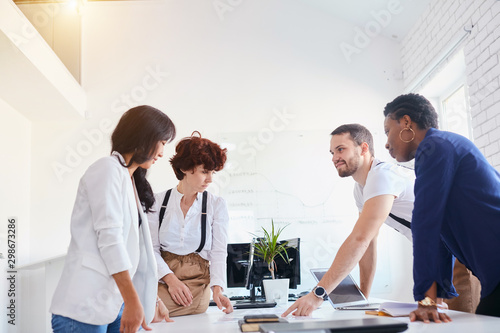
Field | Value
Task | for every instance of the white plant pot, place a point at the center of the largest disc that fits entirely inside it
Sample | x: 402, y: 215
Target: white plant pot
x: 276, y: 290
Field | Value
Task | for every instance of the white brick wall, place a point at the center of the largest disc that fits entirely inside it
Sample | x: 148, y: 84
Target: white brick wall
x: 439, y: 26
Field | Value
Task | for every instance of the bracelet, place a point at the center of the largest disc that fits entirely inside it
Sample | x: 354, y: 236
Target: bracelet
x: 427, y: 302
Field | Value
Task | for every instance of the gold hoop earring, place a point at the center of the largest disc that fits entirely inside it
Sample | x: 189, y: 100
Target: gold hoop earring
x: 407, y: 129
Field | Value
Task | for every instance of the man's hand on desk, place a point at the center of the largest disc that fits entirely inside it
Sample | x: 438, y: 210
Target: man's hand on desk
x: 304, y: 306
x: 221, y: 300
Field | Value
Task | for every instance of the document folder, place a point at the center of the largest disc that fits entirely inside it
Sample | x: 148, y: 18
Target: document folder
x: 377, y: 324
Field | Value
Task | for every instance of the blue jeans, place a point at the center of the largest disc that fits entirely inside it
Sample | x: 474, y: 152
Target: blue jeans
x: 62, y: 324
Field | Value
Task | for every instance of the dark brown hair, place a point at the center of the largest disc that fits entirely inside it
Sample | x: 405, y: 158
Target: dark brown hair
x: 138, y: 132
x: 358, y: 133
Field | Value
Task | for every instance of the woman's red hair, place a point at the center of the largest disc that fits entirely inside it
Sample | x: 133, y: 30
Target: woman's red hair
x: 195, y: 150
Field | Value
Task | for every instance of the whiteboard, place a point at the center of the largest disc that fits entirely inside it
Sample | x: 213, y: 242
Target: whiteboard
x: 288, y: 177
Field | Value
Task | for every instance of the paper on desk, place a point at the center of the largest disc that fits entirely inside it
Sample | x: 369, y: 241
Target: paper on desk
x: 397, y: 309
x: 239, y: 314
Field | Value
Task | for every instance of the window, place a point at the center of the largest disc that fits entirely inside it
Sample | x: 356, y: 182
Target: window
x: 454, y: 113
x: 447, y: 91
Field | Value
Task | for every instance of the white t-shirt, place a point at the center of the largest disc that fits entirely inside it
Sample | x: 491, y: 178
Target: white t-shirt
x: 388, y: 178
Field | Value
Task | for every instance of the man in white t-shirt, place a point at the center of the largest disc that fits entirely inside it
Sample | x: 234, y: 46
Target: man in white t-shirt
x: 387, y: 178
x: 383, y: 193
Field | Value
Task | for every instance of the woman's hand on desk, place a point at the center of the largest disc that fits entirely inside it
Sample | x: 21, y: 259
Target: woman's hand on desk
x: 304, y: 306
x: 133, y: 317
x: 133, y: 312
x: 221, y: 300
x: 428, y: 313
x: 161, y: 312
x: 179, y: 292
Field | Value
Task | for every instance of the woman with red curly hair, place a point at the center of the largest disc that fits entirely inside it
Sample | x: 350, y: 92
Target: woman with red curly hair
x: 189, y: 231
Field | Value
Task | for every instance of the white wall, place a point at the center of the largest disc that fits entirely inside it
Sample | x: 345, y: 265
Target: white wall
x: 15, y: 135
x: 436, y: 30
x: 15, y: 130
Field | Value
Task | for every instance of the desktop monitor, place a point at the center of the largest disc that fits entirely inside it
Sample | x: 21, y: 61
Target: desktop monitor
x: 237, y: 264
x: 242, y: 271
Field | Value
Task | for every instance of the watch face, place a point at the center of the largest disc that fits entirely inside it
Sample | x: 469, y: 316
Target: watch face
x: 320, y: 291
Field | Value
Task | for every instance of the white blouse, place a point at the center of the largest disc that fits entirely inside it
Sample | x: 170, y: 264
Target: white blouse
x: 182, y: 236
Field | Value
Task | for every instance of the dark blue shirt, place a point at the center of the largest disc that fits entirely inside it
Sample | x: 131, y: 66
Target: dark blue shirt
x: 456, y: 211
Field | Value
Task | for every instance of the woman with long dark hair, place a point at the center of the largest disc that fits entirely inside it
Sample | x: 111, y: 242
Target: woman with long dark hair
x: 109, y: 279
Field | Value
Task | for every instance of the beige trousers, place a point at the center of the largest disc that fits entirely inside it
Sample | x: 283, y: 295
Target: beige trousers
x: 194, y: 271
x: 468, y: 288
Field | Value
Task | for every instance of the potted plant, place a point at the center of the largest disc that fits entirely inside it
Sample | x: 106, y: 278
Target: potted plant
x: 268, y: 248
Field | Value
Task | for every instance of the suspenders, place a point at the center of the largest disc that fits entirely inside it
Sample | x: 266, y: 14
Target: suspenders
x: 203, y: 222
x: 164, y: 206
x: 203, y: 217
x: 400, y: 220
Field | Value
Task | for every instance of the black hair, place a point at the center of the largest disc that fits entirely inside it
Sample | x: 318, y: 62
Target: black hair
x: 138, y: 132
x: 417, y: 107
x: 358, y: 133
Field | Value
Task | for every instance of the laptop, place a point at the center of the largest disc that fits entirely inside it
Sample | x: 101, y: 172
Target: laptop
x: 377, y: 324
x: 347, y: 295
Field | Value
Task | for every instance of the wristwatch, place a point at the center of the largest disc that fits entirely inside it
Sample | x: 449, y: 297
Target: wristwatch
x: 320, y: 292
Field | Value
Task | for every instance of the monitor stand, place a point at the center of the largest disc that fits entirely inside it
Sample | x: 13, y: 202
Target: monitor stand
x: 254, y: 302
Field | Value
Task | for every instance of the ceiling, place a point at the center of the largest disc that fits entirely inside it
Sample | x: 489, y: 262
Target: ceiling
x: 360, y: 13
x: 28, y: 67
x: 24, y: 2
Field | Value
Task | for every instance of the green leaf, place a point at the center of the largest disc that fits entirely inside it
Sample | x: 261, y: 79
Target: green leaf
x: 268, y: 247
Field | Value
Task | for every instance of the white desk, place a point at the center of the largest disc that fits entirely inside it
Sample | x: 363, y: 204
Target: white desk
x: 217, y: 322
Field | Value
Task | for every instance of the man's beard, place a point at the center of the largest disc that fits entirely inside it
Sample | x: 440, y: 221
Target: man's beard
x: 351, y: 167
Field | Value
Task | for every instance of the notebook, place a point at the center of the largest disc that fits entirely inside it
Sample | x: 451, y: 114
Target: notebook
x: 347, y: 295
x: 376, y: 324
